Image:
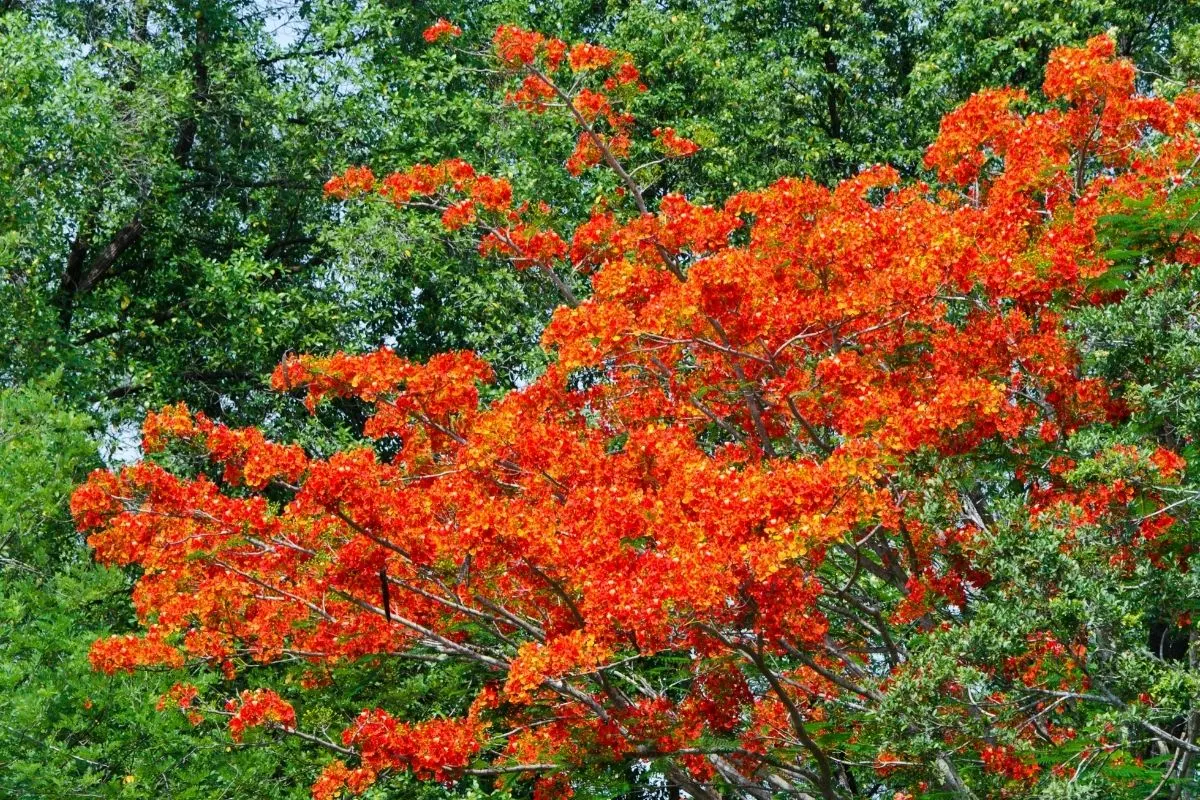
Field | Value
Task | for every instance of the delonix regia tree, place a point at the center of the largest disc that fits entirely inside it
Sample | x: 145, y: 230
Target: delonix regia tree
x: 816, y: 499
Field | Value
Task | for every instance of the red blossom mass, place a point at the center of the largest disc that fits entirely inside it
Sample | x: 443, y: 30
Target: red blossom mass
x: 742, y: 398
x: 675, y: 145
x: 440, y: 30
x: 257, y: 707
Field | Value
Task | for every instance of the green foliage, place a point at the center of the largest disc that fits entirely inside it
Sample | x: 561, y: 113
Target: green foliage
x: 45, y: 450
x: 1149, y: 344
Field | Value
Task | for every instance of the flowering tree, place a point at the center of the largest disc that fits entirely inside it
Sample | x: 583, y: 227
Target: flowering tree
x: 811, y: 501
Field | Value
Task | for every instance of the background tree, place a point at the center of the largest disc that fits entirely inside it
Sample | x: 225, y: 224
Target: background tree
x: 829, y: 506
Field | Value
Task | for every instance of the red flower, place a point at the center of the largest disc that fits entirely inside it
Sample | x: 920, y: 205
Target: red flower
x: 442, y: 29
x: 675, y: 145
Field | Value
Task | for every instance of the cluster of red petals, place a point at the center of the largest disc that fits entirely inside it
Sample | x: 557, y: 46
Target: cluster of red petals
x: 977, y: 129
x: 1103, y: 119
x: 430, y: 749
x: 1045, y: 654
x: 589, y: 152
x: 255, y: 708
x: 1089, y: 75
x: 576, y: 651
x: 129, y: 652
x: 354, y: 181
x: 739, y: 398
x: 650, y: 240
x: 467, y: 198
x: 535, y: 95
x: 1004, y: 760
x: 540, y: 57
x: 437, y: 749
x: 337, y: 779
x: 247, y: 456
x: 675, y: 145
x: 442, y: 29
x: 586, y: 56
x: 516, y: 46
x: 625, y: 75
x: 182, y: 696
x: 525, y: 246
x: 718, y: 698
x: 423, y: 180
x: 442, y: 393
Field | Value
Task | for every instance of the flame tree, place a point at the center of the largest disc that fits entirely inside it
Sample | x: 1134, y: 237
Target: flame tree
x: 815, y: 499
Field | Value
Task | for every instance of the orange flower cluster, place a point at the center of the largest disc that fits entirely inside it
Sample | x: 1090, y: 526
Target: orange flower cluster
x: 247, y: 456
x: 1004, y: 760
x: 585, y: 56
x: 442, y: 395
x: 337, y: 778
x: 354, y: 181
x: 539, y: 58
x: 257, y: 707
x: 518, y: 48
x: 436, y: 749
x: 741, y: 399
x: 576, y: 651
x: 675, y: 145
x: 130, y: 651
x: 440, y: 30
x: 1046, y: 652
x: 181, y: 695
x: 430, y: 749
x: 466, y: 198
x: 525, y: 246
x: 424, y: 180
x: 520, y: 234
x: 718, y: 698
